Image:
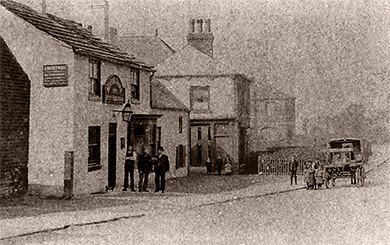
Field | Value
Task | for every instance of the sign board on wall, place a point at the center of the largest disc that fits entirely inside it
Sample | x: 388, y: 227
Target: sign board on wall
x: 55, y: 75
x: 114, y: 93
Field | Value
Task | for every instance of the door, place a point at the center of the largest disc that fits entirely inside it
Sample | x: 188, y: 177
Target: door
x: 112, y: 155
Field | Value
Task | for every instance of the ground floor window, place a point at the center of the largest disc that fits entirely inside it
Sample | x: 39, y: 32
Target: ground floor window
x: 180, y: 156
x: 94, y: 148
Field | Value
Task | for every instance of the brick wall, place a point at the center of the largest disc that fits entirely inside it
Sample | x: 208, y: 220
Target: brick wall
x: 14, y: 124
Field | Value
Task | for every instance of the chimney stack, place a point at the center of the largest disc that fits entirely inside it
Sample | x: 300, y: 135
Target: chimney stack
x: 44, y: 7
x: 113, y: 35
x: 89, y: 28
x: 200, y: 36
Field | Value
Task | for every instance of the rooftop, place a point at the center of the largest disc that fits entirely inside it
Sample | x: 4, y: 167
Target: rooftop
x: 162, y: 98
x: 72, y: 33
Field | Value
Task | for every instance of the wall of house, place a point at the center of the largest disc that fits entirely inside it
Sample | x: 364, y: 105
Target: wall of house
x: 274, y: 123
x: 222, y: 94
x: 171, y: 138
x: 51, y: 117
x: 14, y: 124
x: 96, y: 113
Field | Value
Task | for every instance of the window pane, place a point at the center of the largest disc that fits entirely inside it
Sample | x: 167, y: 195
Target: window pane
x: 200, y: 98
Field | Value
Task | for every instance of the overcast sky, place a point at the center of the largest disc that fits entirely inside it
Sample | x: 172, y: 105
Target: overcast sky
x: 326, y: 53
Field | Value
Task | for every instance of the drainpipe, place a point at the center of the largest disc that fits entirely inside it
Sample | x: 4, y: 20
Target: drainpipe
x: 189, y: 143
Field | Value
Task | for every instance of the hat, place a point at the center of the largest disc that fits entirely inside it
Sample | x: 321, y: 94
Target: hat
x: 160, y: 148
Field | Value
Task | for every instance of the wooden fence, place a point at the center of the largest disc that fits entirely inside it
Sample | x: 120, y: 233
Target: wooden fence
x: 279, y: 166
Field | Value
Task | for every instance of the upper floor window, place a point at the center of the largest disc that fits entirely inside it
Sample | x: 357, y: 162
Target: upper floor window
x: 135, y: 84
x: 200, y: 98
x: 276, y: 108
x: 180, y: 125
x: 94, y: 78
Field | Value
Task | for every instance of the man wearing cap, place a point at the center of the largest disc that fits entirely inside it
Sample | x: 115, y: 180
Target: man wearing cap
x: 162, y: 166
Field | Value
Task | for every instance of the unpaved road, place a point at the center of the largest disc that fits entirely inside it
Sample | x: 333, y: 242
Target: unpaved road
x: 341, y: 215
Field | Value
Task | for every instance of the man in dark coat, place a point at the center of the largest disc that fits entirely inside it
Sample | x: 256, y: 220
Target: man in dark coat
x: 131, y: 157
x: 144, y: 167
x: 219, y: 164
x: 293, y: 167
x: 162, y: 166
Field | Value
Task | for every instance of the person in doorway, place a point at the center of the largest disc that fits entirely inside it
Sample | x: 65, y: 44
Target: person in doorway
x: 219, y: 164
x: 228, y: 166
x: 144, y: 167
x: 293, y: 167
x: 208, y: 165
x: 162, y: 166
x: 131, y: 157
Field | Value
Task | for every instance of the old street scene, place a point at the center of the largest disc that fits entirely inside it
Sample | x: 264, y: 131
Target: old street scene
x: 194, y: 122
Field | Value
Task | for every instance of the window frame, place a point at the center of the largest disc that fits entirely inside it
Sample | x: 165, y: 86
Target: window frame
x: 192, y: 98
x: 135, y: 83
x: 96, y: 163
x: 92, y: 95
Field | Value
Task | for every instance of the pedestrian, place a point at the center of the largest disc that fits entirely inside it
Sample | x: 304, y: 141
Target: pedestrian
x: 131, y: 158
x: 228, y: 166
x: 162, y: 166
x: 219, y: 165
x: 319, y: 174
x: 306, y: 175
x: 208, y: 165
x: 293, y: 166
x: 144, y: 168
x: 312, y: 178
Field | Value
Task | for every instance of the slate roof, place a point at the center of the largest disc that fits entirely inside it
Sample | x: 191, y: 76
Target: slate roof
x: 72, y: 33
x: 151, y: 49
x: 162, y: 98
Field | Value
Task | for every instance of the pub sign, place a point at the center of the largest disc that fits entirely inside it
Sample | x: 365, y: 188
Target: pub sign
x: 55, y: 75
x: 113, y: 91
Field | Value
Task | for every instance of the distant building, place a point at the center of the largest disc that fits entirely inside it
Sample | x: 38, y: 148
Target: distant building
x: 14, y: 123
x: 151, y: 49
x: 79, y: 85
x: 231, y: 114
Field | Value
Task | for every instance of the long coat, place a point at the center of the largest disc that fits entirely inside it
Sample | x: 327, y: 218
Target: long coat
x: 162, y: 163
x: 145, y: 163
x: 293, y: 165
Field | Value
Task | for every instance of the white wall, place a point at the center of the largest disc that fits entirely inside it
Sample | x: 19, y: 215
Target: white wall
x: 51, y: 117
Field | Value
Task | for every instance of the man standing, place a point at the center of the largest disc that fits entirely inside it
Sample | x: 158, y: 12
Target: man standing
x: 219, y: 165
x: 131, y: 157
x: 162, y: 166
x: 144, y: 167
x: 293, y: 166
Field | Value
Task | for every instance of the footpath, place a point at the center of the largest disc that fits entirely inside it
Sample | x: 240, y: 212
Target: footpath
x: 145, y: 205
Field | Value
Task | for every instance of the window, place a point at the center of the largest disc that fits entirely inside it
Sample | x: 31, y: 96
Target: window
x: 94, y: 148
x: 180, y: 156
x: 199, y: 154
x: 135, y: 88
x: 200, y: 98
x: 94, y: 78
x: 180, y: 125
x: 199, y: 133
x: 158, y: 136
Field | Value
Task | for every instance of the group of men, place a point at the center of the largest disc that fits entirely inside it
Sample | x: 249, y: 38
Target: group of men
x: 146, y: 164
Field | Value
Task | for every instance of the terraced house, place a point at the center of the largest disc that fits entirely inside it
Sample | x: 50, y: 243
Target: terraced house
x: 79, y: 89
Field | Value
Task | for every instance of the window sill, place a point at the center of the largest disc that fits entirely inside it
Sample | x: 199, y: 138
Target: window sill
x: 94, y: 167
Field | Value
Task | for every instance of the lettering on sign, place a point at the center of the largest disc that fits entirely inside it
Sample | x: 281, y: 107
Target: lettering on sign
x: 114, y: 93
x: 55, y: 75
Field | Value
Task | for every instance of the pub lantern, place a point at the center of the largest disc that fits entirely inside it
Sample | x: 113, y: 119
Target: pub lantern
x: 127, y: 113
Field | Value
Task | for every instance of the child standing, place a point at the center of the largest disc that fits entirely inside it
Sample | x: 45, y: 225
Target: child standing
x: 312, y: 179
x: 228, y: 166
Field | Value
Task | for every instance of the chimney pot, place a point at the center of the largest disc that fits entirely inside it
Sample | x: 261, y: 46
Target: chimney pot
x: 89, y: 28
x: 44, y: 7
x: 113, y: 34
x: 207, y: 25
x: 200, y: 25
x: 192, y: 25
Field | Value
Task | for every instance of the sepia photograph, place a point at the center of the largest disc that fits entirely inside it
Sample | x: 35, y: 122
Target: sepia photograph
x: 195, y: 122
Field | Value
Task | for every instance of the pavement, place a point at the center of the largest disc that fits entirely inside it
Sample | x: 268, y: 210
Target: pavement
x: 146, y: 204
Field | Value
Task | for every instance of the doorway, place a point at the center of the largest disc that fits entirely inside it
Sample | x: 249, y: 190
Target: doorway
x: 112, y: 155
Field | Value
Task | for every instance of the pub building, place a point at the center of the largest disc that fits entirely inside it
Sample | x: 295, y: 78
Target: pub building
x: 88, y: 102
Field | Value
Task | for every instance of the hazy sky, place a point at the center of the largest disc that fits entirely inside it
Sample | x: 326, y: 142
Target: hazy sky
x: 326, y: 53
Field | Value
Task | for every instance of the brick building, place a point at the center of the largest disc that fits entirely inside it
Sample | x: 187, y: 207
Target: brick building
x: 77, y: 137
x: 14, y: 123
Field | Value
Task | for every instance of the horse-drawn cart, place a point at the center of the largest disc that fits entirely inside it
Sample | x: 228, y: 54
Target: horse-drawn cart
x: 346, y: 159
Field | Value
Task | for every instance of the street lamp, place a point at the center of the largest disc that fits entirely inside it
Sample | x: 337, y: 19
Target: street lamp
x: 127, y: 113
